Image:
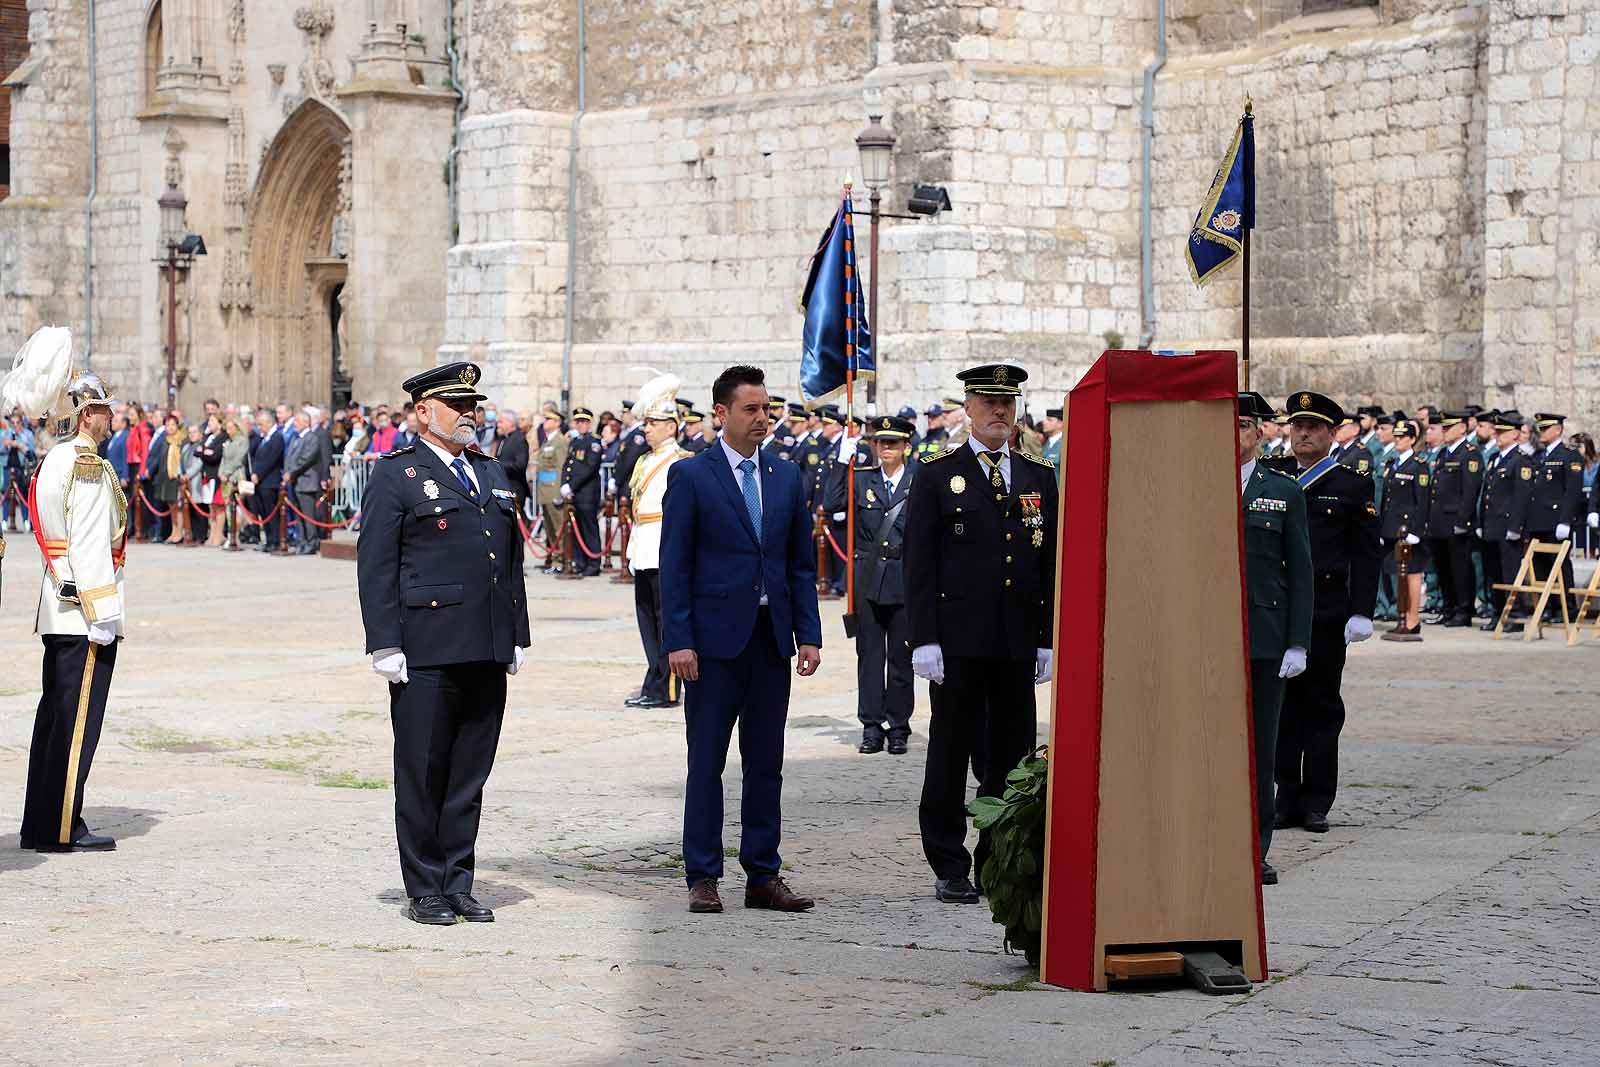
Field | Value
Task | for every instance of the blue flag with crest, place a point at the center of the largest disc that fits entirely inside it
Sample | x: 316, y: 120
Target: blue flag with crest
x: 837, y: 338
x: 1217, y: 237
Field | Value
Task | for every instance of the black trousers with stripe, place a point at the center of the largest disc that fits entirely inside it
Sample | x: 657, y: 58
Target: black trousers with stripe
x: 66, y: 732
x: 659, y: 683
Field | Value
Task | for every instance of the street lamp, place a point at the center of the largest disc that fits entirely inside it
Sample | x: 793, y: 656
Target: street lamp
x: 876, y: 145
x: 181, y: 248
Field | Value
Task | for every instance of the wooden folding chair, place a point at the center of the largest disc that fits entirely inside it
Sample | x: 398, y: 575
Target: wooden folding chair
x: 1527, y: 583
x: 1589, y: 592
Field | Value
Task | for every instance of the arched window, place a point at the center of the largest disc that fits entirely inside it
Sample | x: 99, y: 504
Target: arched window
x: 154, y: 51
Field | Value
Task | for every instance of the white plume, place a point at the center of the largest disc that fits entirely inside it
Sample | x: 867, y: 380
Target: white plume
x: 39, y: 374
x: 660, y: 393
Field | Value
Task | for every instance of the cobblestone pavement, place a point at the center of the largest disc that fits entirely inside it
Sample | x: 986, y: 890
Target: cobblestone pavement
x: 252, y: 912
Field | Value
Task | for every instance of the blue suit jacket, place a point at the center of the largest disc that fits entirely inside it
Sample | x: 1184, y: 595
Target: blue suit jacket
x: 712, y: 566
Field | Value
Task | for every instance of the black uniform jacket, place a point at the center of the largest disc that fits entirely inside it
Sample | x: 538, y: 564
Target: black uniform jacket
x: 1453, y: 490
x: 634, y: 447
x: 582, y: 472
x: 1507, y: 490
x: 1405, y: 497
x: 981, y: 573
x: 440, y: 574
x: 1557, y: 489
x: 1345, y: 547
x: 880, y: 575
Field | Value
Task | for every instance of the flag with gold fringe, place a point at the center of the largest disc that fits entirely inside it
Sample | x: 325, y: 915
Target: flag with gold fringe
x: 837, y: 341
x: 1217, y: 237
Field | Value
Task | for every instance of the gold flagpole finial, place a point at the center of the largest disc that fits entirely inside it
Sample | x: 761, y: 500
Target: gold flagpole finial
x: 849, y: 180
x: 1249, y: 106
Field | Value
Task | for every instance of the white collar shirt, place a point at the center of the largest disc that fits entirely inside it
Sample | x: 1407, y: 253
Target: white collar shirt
x: 980, y: 449
x: 734, y: 459
x: 448, y: 460
x: 1244, y: 474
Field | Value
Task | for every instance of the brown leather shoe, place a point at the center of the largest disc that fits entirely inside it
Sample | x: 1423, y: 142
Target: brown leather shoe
x: 703, y: 897
x: 776, y: 896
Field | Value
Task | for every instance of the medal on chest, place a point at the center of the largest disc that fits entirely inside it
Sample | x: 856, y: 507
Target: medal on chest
x: 1033, y: 516
x: 431, y: 489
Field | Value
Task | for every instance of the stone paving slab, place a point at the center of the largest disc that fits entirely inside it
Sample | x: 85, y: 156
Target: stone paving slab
x: 252, y: 912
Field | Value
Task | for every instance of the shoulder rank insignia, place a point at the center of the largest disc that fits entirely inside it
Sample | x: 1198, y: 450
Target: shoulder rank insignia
x: 88, y: 467
x: 403, y: 451
x: 1040, y: 460
x: 941, y: 454
x: 1577, y: 468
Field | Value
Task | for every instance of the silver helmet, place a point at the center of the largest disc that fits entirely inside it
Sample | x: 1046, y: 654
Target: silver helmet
x: 87, y: 390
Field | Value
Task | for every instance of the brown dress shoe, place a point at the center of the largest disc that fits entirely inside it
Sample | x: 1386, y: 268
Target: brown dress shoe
x: 703, y: 897
x: 776, y: 896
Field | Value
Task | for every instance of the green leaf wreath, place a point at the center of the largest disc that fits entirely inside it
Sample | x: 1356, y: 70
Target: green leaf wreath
x: 1013, y: 875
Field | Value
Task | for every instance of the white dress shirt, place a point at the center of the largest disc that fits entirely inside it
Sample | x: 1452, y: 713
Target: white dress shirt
x: 1244, y: 474
x: 894, y: 482
x: 979, y: 448
x: 734, y: 459
x: 448, y: 460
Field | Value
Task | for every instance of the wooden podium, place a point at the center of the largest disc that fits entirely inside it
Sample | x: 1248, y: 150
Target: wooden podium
x: 1150, y: 835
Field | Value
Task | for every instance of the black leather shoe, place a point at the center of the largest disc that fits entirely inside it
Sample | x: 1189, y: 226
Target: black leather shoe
x: 654, y: 702
x: 1269, y: 873
x: 464, y: 905
x: 870, y: 746
x: 1315, y: 822
x: 955, y: 891
x: 1512, y: 628
x: 85, y: 843
x: 431, y: 911
x: 1456, y: 621
x: 1285, y: 820
x: 634, y: 701
x: 898, y: 746
x: 1436, y: 620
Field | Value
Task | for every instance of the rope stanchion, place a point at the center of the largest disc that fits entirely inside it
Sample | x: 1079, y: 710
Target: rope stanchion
x: 539, y: 551
x: 578, y: 536
x: 320, y: 525
x: 624, y: 575
x: 157, y: 512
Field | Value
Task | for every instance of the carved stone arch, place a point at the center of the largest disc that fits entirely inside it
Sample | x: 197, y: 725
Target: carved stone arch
x: 154, y: 50
x: 293, y: 268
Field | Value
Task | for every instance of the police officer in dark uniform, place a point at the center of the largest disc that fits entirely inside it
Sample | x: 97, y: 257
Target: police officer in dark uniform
x: 779, y: 439
x: 1557, y: 506
x: 980, y: 585
x: 694, y: 440
x: 1503, y: 513
x: 1406, y: 485
x: 932, y: 442
x: 1353, y: 453
x: 1345, y: 551
x: 1457, y: 477
x: 439, y: 565
x: 580, y: 483
x: 634, y: 447
x: 883, y: 631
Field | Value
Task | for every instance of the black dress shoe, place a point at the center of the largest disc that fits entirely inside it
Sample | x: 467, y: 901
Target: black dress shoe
x: 83, y: 843
x: 431, y: 911
x: 955, y: 891
x: 1456, y: 621
x: 464, y: 905
x: 633, y: 701
x: 1269, y: 873
x: 1436, y: 620
x: 870, y: 746
x: 1315, y: 822
x: 898, y: 746
x: 654, y: 702
x: 1285, y: 820
x: 1513, y: 628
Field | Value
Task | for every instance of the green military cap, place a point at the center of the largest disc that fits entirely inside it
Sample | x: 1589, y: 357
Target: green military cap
x: 1251, y: 405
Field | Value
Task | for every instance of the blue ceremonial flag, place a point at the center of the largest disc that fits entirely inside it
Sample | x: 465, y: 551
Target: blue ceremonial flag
x: 837, y: 338
x: 1217, y: 237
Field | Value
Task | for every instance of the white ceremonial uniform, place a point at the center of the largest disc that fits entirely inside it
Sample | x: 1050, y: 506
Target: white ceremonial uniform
x: 648, y: 488
x: 81, y: 517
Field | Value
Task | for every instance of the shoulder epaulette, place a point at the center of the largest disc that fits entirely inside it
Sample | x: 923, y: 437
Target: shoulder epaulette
x: 88, y: 467
x: 1285, y: 475
x: 402, y: 451
x: 941, y: 454
x: 684, y: 453
x: 1040, y: 460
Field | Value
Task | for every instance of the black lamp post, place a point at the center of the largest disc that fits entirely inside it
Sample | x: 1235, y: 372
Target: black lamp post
x: 181, y: 248
x: 876, y: 145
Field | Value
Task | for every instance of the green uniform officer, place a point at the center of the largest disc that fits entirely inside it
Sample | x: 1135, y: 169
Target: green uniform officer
x: 1278, y: 584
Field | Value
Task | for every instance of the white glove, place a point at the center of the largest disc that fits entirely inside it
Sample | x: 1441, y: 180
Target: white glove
x: 1479, y: 532
x: 1512, y: 535
x: 1294, y: 662
x: 102, y: 633
x: 1594, y: 520
x: 390, y: 665
x: 1458, y: 530
x: 1563, y: 531
x: 516, y: 660
x: 566, y: 492
x: 927, y: 661
x: 1357, y: 629
x: 1413, y: 539
x: 1043, y: 665
x: 611, y: 486
x: 838, y: 516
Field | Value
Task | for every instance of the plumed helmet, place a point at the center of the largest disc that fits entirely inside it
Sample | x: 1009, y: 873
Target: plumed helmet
x: 87, y: 389
x: 658, y: 398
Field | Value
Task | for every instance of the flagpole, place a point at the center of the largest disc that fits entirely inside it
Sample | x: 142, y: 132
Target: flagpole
x: 849, y: 419
x: 1246, y: 385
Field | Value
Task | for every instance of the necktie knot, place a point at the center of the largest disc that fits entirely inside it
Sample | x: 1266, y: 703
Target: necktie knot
x: 747, y: 465
x: 752, y: 494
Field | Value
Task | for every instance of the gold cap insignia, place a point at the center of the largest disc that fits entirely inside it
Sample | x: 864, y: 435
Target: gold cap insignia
x: 468, y: 376
x: 1001, y: 376
x: 1305, y: 400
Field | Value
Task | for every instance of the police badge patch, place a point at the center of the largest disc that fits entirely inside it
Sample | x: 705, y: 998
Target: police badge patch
x: 958, y: 484
x: 431, y: 489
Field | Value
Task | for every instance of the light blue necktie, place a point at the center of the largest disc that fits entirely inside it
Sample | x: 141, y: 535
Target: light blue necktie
x: 460, y: 467
x: 752, y: 494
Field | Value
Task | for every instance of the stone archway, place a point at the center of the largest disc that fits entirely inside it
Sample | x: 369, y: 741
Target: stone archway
x: 298, y: 223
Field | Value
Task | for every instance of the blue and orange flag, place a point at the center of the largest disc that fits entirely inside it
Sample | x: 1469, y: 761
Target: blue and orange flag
x: 837, y: 339
x: 1217, y: 237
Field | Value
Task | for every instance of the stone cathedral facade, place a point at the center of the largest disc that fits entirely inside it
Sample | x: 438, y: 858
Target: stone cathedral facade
x: 384, y: 183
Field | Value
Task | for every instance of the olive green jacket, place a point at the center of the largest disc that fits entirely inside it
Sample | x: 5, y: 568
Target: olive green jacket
x: 1277, y: 564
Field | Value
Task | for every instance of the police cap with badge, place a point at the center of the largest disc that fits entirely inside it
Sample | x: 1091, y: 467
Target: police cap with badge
x: 994, y: 379
x: 453, y: 382
x: 892, y: 428
x: 1314, y: 406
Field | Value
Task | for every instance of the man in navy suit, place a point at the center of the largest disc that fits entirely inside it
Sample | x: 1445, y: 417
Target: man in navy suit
x: 267, y: 464
x: 738, y: 594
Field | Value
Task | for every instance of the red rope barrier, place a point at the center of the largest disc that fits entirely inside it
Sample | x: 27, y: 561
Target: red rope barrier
x: 835, y: 545
x: 157, y: 512
x: 250, y: 517
x: 314, y: 522
x: 527, y: 539
x: 579, y: 538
